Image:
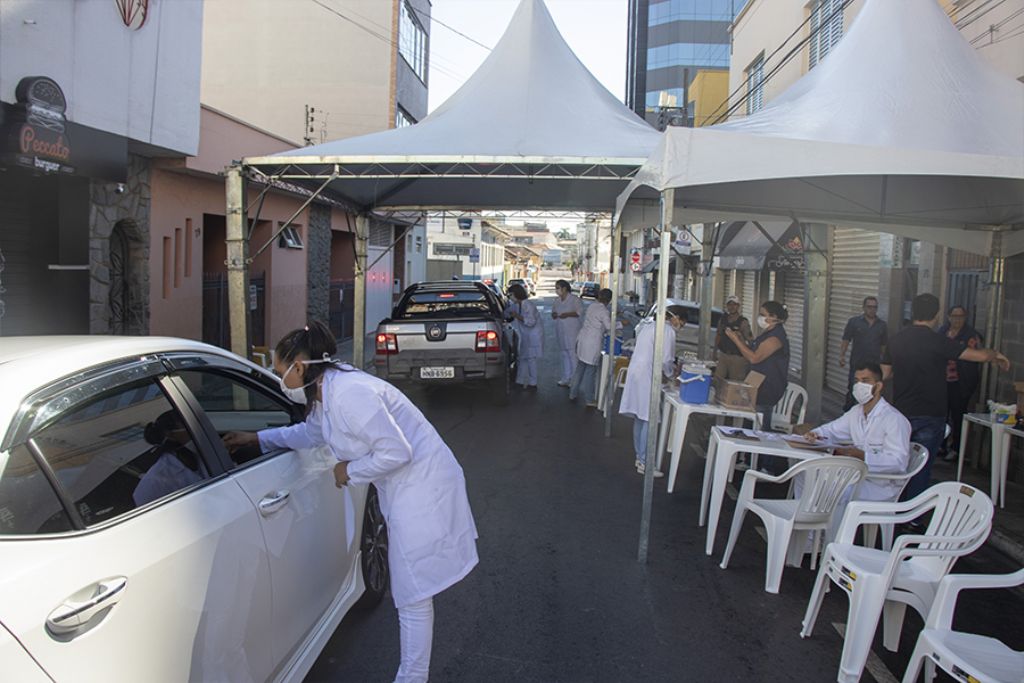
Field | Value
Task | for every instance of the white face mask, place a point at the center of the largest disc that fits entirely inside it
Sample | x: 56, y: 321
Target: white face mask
x: 762, y: 321
x: 298, y: 394
x: 863, y: 392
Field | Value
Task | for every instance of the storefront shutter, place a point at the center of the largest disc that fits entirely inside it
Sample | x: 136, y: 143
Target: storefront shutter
x: 18, y: 261
x: 793, y: 299
x: 854, y: 275
x: 747, y: 289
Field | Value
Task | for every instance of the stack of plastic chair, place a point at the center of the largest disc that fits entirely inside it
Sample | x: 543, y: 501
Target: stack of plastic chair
x: 883, y: 583
x: 782, y: 415
x: 825, y: 481
x: 918, y: 458
x: 964, y: 656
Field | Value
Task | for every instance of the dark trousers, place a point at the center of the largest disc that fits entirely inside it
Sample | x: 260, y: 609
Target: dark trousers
x: 958, y: 396
x: 928, y: 431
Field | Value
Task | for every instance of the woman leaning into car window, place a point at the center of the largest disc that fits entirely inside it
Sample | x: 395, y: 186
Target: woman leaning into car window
x: 379, y: 437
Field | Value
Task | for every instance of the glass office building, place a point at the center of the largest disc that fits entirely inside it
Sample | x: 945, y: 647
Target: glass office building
x: 669, y: 42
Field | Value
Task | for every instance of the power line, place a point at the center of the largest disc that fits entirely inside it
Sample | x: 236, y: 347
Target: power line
x: 995, y: 27
x: 450, y: 28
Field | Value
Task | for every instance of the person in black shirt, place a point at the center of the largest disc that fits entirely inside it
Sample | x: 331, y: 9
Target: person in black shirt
x: 868, y: 335
x: 768, y: 355
x: 962, y: 378
x: 731, y: 364
x: 917, y: 358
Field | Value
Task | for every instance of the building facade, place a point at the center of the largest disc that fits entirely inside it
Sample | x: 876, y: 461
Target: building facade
x: 671, y: 42
x: 465, y: 248
x: 90, y: 99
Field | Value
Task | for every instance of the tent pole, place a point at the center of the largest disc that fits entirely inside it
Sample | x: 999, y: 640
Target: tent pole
x: 609, y: 379
x: 994, y: 326
x: 706, y: 290
x: 237, y: 260
x: 667, y: 204
x: 359, y: 292
x: 815, y: 322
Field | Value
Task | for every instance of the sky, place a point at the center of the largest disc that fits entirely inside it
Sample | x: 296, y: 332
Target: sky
x: 594, y: 29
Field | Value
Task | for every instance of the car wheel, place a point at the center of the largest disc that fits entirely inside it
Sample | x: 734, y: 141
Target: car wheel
x: 373, y: 548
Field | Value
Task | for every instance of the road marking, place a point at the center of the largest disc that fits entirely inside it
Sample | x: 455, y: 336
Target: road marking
x: 875, y: 666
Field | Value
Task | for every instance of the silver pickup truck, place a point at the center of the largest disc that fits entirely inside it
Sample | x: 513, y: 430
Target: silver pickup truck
x: 447, y: 332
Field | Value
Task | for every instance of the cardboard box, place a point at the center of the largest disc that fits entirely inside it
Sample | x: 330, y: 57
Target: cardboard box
x: 733, y: 394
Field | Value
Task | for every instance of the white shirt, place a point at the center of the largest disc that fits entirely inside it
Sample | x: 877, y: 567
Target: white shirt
x: 597, y: 322
x: 636, y: 395
x: 167, y: 475
x: 388, y: 442
x: 530, y: 329
x: 566, y: 329
x: 884, y: 436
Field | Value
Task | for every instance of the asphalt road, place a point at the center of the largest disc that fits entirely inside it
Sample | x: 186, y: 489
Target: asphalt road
x: 559, y: 595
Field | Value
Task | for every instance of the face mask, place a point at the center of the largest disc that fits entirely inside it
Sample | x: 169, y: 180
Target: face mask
x: 863, y: 392
x: 298, y: 394
x: 762, y: 321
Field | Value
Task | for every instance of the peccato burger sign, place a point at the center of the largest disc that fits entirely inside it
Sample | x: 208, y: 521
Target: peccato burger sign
x: 36, y: 128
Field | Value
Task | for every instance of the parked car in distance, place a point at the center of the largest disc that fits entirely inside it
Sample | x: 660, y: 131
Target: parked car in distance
x: 589, y: 290
x: 447, y: 332
x: 687, y: 338
x: 518, y: 281
x: 132, y: 539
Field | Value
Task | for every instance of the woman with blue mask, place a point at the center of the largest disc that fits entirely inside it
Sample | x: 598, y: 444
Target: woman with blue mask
x: 379, y: 437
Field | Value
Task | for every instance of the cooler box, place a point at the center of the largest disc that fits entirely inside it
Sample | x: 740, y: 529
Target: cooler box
x: 618, y: 345
x: 694, y: 384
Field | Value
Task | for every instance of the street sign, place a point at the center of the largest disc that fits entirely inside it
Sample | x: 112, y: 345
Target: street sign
x: 474, y: 255
x: 252, y: 297
x: 635, y: 266
x: 634, y: 258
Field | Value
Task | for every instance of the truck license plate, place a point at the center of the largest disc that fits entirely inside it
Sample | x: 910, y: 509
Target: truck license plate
x: 437, y: 373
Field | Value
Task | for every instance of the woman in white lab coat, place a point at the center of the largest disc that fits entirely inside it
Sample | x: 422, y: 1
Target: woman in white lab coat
x: 596, y: 324
x: 567, y: 312
x: 379, y: 437
x: 636, y: 395
x: 531, y: 336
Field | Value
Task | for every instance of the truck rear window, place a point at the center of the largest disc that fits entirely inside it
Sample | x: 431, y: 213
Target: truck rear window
x: 445, y: 304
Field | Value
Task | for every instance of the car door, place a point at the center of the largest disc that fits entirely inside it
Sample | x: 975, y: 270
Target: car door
x: 309, y: 524
x: 127, y: 553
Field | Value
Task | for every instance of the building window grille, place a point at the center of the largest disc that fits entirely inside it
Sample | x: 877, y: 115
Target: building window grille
x: 826, y: 28
x: 755, y: 85
x: 412, y: 41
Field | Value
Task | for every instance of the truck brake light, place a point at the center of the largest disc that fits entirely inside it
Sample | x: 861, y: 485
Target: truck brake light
x: 387, y: 344
x: 487, y: 342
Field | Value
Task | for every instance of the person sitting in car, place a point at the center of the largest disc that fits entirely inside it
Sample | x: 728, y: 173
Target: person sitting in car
x: 176, y: 467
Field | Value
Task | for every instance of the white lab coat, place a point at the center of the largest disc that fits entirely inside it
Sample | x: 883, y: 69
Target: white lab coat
x: 597, y: 322
x: 530, y: 329
x: 884, y: 436
x: 636, y: 396
x: 566, y: 329
x: 389, y: 443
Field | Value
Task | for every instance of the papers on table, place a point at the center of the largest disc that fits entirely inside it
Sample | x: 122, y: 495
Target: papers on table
x: 816, y: 445
x: 749, y: 434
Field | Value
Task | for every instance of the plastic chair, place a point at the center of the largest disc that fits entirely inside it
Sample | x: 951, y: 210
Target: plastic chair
x: 621, y: 367
x: 918, y: 458
x: 825, y: 481
x: 782, y: 415
x: 880, y: 582
x: 973, y: 657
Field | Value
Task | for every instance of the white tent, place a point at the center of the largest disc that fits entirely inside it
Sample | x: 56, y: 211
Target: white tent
x: 903, y: 126
x: 532, y: 128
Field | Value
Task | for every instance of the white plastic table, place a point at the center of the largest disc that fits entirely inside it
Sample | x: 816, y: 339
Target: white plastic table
x: 1008, y: 434
x: 674, y: 409
x: 1000, y: 450
x: 722, y: 452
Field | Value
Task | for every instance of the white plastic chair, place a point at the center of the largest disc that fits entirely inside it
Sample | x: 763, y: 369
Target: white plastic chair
x: 880, y: 582
x: 825, y: 481
x: 782, y: 415
x: 918, y: 458
x: 976, y: 658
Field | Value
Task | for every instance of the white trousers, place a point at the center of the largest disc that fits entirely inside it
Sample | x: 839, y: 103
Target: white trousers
x: 569, y: 360
x: 526, y: 372
x: 416, y: 628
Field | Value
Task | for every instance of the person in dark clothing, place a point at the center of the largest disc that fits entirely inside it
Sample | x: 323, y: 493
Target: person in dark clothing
x: 962, y: 377
x: 868, y: 334
x: 917, y: 358
x: 768, y: 354
x: 731, y: 365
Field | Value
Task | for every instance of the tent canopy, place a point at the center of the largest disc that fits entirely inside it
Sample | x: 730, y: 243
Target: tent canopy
x: 532, y: 128
x: 753, y: 245
x: 903, y: 126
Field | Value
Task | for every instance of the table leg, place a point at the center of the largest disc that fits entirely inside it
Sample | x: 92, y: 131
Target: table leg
x: 678, y: 436
x: 724, y: 463
x: 1007, y: 439
x: 664, y: 426
x: 964, y: 426
x: 709, y: 468
x: 996, y: 462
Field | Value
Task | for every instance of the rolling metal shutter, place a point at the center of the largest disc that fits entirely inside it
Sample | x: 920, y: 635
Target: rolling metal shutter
x: 747, y: 289
x: 793, y: 298
x: 728, y: 282
x: 854, y: 275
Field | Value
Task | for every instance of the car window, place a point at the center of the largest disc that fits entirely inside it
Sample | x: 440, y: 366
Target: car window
x: 233, y: 405
x: 123, y: 449
x: 28, y: 503
x: 444, y: 304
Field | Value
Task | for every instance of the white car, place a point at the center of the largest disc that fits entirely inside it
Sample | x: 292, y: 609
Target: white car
x: 134, y: 547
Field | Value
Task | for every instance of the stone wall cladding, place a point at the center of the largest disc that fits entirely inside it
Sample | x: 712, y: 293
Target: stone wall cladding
x: 107, y: 208
x: 318, y: 262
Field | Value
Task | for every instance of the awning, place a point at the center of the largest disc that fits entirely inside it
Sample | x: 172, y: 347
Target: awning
x: 758, y: 245
x: 653, y: 265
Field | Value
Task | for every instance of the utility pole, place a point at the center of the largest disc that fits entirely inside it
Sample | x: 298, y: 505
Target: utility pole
x: 359, y: 292
x: 310, y: 126
x: 237, y: 261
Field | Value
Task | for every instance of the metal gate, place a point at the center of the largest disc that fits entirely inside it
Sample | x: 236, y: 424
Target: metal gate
x: 216, y: 325
x: 967, y: 288
x: 854, y: 275
x: 342, y: 297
